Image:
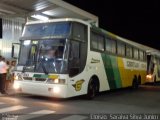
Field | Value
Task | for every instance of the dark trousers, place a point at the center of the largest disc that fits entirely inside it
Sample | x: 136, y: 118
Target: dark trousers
x: 2, y: 82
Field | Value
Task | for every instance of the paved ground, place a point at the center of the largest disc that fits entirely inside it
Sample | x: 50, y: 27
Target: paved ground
x: 144, y: 100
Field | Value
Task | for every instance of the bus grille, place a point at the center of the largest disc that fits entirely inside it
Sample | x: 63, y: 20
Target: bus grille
x: 40, y: 79
x: 27, y: 78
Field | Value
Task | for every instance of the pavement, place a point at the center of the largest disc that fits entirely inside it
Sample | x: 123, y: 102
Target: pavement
x: 127, y: 101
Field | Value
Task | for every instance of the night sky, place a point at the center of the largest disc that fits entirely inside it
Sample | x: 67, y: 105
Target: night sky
x: 132, y: 19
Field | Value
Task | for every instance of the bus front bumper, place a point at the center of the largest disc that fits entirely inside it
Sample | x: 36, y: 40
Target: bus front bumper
x: 42, y: 89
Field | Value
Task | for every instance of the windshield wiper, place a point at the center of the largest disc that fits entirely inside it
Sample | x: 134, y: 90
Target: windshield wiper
x: 24, y: 68
x: 44, y: 69
x: 41, y: 61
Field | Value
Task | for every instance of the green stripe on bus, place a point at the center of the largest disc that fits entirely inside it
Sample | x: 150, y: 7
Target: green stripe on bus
x: 112, y: 71
x: 116, y: 72
x: 40, y: 76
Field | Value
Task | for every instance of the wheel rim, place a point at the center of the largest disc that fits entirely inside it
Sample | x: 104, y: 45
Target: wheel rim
x: 92, y: 91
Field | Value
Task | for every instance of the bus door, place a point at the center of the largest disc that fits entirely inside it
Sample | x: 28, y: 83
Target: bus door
x: 15, y: 50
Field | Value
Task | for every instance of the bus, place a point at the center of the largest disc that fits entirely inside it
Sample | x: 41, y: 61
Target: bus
x: 153, y: 67
x: 64, y: 58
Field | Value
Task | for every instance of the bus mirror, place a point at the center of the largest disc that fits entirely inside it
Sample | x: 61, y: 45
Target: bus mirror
x: 73, y: 71
x: 12, y: 53
x: 15, y: 50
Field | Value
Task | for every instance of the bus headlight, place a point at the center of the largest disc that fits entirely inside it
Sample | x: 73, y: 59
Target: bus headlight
x: 149, y: 76
x: 18, y: 77
x: 56, y: 90
x: 56, y: 81
x: 60, y: 81
x: 15, y: 77
x: 16, y: 85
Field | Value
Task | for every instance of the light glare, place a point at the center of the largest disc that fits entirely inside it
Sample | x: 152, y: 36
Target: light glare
x: 16, y: 85
x: 40, y: 17
x: 27, y: 42
x: 56, y: 89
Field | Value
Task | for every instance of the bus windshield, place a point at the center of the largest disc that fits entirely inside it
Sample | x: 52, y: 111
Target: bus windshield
x: 47, y: 29
x: 44, y: 56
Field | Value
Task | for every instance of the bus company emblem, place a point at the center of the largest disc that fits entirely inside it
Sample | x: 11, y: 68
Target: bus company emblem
x: 78, y: 85
x: 95, y: 61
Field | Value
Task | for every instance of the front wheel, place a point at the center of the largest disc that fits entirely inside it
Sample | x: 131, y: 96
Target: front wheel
x: 91, y: 91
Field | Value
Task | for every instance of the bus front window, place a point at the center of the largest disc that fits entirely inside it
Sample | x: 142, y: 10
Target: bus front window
x: 52, y: 56
x: 44, y: 56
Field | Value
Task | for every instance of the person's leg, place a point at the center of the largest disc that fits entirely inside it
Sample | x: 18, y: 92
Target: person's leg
x: 0, y: 82
x: 3, y: 82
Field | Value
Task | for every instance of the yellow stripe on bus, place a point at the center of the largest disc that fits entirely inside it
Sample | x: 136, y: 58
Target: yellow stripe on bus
x: 127, y: 75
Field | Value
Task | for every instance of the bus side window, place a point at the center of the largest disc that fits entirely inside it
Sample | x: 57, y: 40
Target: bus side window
x: 74, y: 58
x: 120, y: 48
x: 110, y: 45
x: 135, y: 53
x: 129, y: 52
x: 97, y: 41
x: 141, y: 55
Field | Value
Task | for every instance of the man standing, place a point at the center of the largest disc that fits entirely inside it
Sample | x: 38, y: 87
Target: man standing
x: 3, y: 71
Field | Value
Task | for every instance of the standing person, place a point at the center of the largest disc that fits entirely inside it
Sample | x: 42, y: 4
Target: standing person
x: 3, y: 71
x: 11, y: 71
x: 0, y: 75
x: 8, y: 75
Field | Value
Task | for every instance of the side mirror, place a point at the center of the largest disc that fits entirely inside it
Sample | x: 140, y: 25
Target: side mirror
x: 73, y: 71
x: 15, y: 50
x: 12, y: 53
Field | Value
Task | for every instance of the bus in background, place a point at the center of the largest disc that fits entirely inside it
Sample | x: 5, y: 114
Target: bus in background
x: 153, y: 68
x: 70, y: 57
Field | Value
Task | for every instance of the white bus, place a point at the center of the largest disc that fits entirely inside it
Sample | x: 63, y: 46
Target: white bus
x: 69, y: 57
x: 153, y: 68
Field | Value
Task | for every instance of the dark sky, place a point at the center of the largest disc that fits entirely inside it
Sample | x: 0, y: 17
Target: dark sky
x: 137, y: 20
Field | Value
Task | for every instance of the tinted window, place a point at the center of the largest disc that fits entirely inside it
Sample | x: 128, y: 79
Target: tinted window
x: 128, y: 51
x: 97, y: 41
x: 79, y: 31
x: 77, y: 57
x: 120, y: 48
x: 135, y: 53
x: 46, y: 29
x: 141, y: 55
x: 110, y: 45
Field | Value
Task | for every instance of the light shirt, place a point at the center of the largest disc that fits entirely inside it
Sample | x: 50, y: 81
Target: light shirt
x: 3, y: 67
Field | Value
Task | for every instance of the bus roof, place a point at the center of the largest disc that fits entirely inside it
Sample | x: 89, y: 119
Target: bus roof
x: 59, y: 20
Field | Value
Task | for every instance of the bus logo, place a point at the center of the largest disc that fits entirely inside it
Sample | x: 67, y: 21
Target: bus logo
x: 78, y: 85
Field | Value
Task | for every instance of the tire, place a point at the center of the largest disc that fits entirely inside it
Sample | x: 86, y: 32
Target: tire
x: 139, y: 80
x: 155, y: 80
x: 135, y: 83
x: 91, y: 90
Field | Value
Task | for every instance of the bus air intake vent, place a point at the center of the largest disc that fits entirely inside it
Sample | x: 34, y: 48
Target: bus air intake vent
x: 40, y: 79
x: 27, y: 78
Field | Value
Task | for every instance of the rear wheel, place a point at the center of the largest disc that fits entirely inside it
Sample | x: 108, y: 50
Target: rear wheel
x: 139, y: 80
x: 135, y: 83
x: 155, y: 80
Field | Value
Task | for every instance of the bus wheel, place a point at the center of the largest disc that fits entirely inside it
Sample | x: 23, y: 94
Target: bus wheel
x: 155, y: 80
x: 139, y: 80
x: 135, y: 83
x: 91, y: 90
